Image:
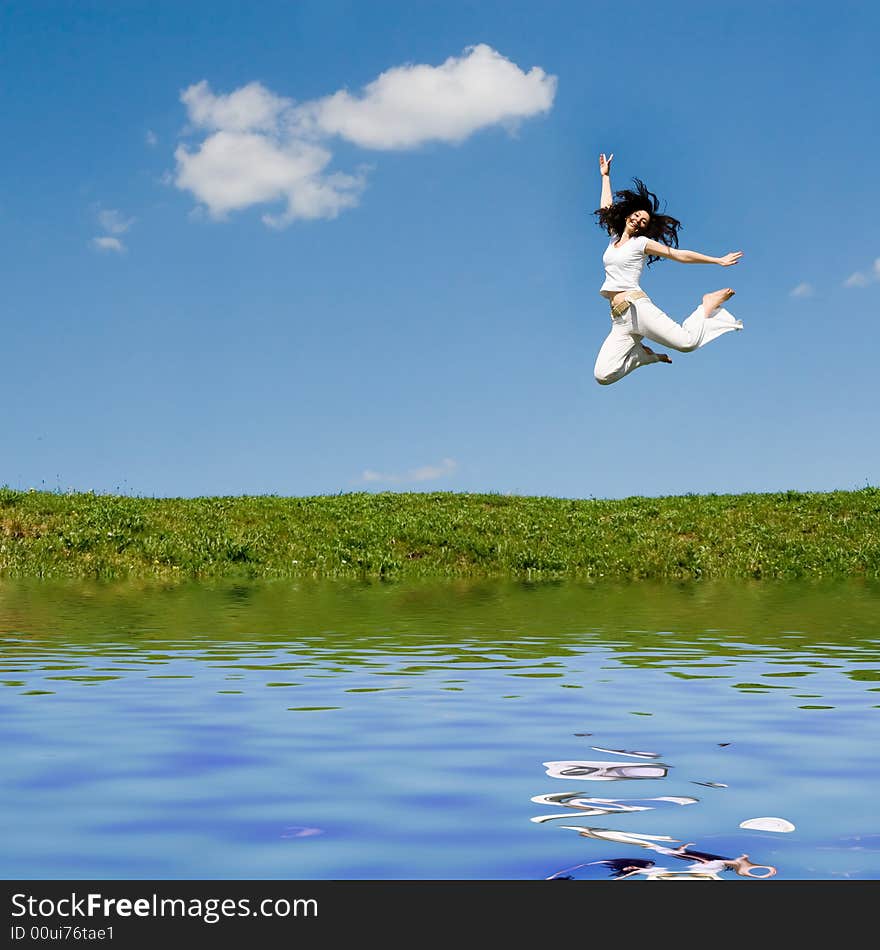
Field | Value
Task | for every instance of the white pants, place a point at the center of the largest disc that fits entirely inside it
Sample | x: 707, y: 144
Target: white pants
x: 622, y: 351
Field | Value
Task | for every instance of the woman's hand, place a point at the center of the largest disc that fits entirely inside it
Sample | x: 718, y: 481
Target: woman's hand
x: 729, y: 259
x: 605, y: 164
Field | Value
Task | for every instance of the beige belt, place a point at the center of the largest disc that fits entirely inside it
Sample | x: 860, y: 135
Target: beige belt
x: 623, y: 306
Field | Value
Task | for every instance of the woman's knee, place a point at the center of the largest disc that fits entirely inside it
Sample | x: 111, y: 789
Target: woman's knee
x: 684, y: 342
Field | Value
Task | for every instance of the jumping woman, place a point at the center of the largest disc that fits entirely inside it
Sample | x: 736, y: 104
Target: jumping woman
x: 638, y: 232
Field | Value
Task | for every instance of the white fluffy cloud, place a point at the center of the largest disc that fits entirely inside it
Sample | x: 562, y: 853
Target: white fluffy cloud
x: 409, y: 105
x: 863, y: 278
x: 261, y: 148
x: 253, y: 107
x: 426, y: 473
x: 234, y: 170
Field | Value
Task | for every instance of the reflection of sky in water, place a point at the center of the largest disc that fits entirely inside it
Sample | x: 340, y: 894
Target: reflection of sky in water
x: 367, y: 732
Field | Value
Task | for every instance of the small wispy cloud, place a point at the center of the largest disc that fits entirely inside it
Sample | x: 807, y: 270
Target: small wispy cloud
x: 802, y: 290
x: 863, y: 278
x: 114, y: 222
x: 108, y: 244
x: 425, y: 473
x: 151, y: 138
x: 429, y: 472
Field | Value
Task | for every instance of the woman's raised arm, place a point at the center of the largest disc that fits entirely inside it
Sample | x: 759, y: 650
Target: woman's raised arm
x: 690, y: 257
x: 605, y: 171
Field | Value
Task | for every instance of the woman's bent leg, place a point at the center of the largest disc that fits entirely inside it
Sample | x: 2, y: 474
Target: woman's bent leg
x: 697, y: 330
x: 621, y: 353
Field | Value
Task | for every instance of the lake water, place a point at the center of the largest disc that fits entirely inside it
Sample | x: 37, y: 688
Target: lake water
x: 398, y: 731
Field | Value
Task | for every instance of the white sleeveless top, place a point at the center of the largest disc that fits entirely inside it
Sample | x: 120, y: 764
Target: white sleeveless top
x: 623, y: 265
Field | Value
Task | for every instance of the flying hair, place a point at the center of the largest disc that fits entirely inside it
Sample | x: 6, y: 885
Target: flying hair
x: 661, y: 227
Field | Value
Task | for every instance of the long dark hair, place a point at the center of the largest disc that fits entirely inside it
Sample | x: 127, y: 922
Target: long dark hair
x: 661, y: 227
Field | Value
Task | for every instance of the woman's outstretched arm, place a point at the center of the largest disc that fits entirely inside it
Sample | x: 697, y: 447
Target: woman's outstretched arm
x: 605, y: 171
x: 690, y: 257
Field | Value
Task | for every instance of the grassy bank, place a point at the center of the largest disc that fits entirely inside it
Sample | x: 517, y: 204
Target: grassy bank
x: 786, y: 535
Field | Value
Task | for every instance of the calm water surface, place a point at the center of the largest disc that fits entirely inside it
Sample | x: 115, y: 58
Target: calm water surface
x: 327, y: 730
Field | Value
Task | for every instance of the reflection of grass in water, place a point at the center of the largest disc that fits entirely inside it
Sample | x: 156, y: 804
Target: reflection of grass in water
x: 783, y: 535
x: 696, y: 676
x: 376, y: 689
x: 392, y: 634
x: 99, y: 679
x: 792, y: 673
x: 754, y: 687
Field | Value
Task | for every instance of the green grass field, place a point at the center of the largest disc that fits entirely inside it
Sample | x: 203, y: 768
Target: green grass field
x: 785, y: 535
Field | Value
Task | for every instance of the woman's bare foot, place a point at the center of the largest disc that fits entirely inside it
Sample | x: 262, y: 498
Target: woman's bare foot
x: 661, y: 357
x: 711, y: 302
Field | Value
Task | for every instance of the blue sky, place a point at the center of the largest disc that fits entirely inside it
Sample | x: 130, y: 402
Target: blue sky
x: 292, y: 281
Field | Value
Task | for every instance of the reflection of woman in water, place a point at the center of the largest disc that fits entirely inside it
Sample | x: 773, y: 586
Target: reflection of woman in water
x: 702, y: 865
x: 639, y: 231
